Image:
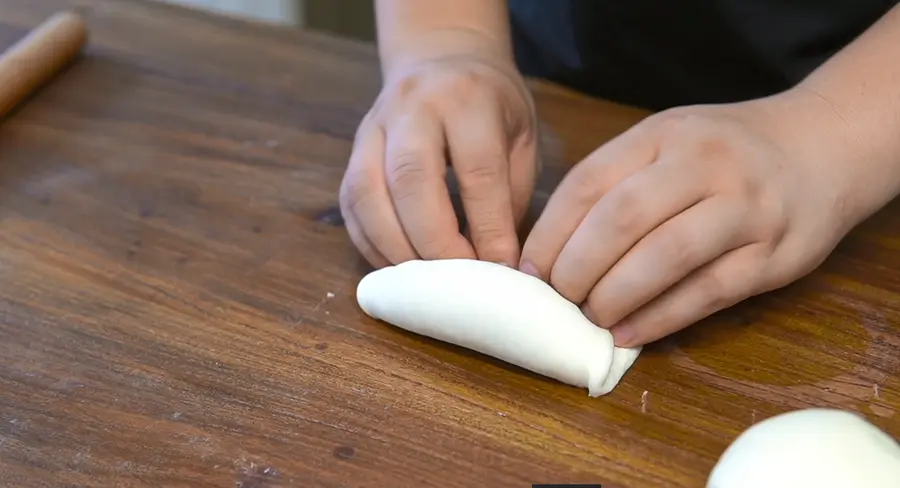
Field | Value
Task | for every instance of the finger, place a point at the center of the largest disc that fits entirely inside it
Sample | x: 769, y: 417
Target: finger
x: 363, y: 244
x: 480, y: 160
x: 792, y: 257
x: 667, y: 255
x: 621, y: 218
x: 524, y: 168
x: 576, y: 195
x: 415, y: 172
x: 365, y: 197
x: 718, y: 285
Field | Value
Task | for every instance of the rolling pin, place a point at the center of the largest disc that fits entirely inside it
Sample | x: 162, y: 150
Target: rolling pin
x: 38, y: 56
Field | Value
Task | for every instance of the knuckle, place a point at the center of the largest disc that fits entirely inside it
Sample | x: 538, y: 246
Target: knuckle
x: 437, y: 82
x: 630, y: 209
x: 493, y: 234
x: 368, y: 127
x: 764, y: 212
x: 682, y: 248
x: 354, y: 191
x: 486, y: 225
x: 407, y: 86
x: 720, y: 290
x: 433, y: 247
x: 673, y: 122
x: 704, y: 137
x: 747, y: 191
x: 400, y: 90
x: 581, y: 188
x: 713, y: 287
x: 715, y: 148
x: 458, y: 90
x: 775, y: 216
x: 405, y: 172
x: 367, y: 251
x: 466, y: 83
x: 480, y: 177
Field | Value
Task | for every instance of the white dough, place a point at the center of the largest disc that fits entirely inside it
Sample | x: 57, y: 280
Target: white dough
x: 814, y: 448
x: 498, y: 311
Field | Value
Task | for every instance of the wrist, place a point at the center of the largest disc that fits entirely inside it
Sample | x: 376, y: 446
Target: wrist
x: 444, y: 43
x: 860, y: 174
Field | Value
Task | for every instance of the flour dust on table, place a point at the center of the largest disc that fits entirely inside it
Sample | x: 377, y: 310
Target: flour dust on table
x: 500, y: 312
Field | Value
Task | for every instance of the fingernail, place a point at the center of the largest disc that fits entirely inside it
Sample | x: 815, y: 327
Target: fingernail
x: 531, y: 269
x: 623, y: 334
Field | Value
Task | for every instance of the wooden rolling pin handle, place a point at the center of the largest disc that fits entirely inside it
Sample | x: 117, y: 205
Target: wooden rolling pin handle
x: 37, y: 57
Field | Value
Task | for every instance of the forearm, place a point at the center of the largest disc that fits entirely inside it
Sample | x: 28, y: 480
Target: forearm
x: 861, y: 85
x: 413, y: 30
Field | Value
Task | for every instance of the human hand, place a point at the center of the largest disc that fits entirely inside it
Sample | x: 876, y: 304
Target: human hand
x: 691, y: 211
x: 473, y: 115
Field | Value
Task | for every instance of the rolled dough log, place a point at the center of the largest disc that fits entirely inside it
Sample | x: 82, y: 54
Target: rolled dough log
x: 497, y: 311
x: 817, y: 447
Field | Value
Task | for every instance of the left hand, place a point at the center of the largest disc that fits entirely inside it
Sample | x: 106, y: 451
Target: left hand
x: 691, y: 211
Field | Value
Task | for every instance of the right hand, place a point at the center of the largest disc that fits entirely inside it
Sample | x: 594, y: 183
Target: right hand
x: 473, y: 115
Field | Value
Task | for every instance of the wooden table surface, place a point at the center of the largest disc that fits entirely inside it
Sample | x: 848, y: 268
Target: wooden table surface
x: 177, y: 304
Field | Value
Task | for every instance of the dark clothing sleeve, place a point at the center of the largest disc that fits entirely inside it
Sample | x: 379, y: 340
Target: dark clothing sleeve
x: 661, y: 53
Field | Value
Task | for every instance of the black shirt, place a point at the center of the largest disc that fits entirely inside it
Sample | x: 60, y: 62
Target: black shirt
x: 663, y: 53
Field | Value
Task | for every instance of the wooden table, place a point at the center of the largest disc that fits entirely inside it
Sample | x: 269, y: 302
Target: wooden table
x: 177, y: 304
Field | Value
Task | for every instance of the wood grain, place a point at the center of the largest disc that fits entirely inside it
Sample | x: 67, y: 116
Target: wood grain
x: 177, y: 309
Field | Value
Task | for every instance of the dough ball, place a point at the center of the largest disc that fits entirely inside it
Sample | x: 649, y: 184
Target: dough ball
x: 812, y: 448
